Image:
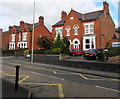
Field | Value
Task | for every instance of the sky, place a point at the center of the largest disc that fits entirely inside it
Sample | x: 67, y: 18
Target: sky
x: 12, y: 11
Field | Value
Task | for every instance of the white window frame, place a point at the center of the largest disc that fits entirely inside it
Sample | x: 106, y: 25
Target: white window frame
x: 23, y: 43
x: 89, y: 29
x: 90, y: 38
x: 13, y: 37
x: 75, y: 27
x: 11, y: 45
x: 68, y: 28
x: 56, y: 34
x: 24, y: 36
x: 76, y: 45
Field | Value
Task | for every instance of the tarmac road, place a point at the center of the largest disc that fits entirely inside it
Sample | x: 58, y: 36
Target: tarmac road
x: 101, y: 82
x: 46, y: 85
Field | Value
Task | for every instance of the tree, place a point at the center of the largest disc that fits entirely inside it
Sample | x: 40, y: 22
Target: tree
x: 45, y: 42
x: 117, y: 29
x: 63, y: 44
x: 58, y: 43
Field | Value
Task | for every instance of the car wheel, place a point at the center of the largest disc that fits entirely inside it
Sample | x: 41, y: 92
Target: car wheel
x: 96, y: 57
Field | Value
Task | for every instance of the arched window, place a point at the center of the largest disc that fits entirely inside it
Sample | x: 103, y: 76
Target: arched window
x: 75, y: 27
x: 68, y: 30
x: 76, y: 43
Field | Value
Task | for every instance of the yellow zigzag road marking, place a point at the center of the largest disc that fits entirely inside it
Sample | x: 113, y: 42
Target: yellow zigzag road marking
x: 103, y: 78
x: 60, y: 89
x: 12, y: 75
x: 23, y: 79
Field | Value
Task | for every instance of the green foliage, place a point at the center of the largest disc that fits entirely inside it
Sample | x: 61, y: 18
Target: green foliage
x: 113, y: 51
x: 39, y: 51
x: 8, y: 51
x: 56, y: 50
x: 48, y: 51
x: 63, y: 44
x: 45, y: 42
x: 66, y: 41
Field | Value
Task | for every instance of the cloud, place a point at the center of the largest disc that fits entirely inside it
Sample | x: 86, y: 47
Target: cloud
x: 22, y: 10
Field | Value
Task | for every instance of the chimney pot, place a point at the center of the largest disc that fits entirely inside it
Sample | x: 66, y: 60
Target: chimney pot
x: 41, y: 20
x: 22, y: 23
x: 106, y: 7
x: 63, y: 15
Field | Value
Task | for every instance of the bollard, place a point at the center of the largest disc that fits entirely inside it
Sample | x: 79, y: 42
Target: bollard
x: 17, y: 78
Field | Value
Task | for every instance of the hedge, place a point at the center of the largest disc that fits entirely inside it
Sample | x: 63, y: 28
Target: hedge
x: 113, y: 51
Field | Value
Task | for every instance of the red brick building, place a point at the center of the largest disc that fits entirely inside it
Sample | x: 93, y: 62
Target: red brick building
x: 4, y: 41
x: 86, y: 31
x: 21, y: 36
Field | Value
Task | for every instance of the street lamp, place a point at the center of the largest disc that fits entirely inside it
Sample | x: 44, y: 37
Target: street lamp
x: 33, y: 32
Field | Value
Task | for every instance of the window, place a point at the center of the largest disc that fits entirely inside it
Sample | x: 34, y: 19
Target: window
x: 59, y: 31
x: 76, y: 43
x: 89, y: 28
x: 75, y: 27
x: 12, y: 46
x: 86, y: 28
x: 88, y: 43
x: 23, y: 45
x: 13, y: 37
x: 24, y: 36
x: 68, y: 30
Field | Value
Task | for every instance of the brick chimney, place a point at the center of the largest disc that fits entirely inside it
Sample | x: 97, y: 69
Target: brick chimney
x: 106, y: 7
x: 63, y: 15
x: 41, y: 20
x: 22, y: 23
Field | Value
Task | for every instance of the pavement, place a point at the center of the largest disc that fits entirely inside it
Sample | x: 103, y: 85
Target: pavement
x: 9, y: 92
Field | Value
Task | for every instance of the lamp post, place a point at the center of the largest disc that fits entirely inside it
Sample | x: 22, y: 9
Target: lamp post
x: 33, y: 32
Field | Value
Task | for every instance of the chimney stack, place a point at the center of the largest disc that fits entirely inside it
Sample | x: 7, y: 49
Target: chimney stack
x: 22, y: 23
x: 63, y: 15
x: 41, y: 20
x: 106, y: 7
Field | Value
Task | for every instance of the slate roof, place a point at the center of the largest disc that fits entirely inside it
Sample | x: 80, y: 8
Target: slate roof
x: 83, y: 17
x: 30, y: 26
x: 18, y: 28
x: 93, y: 15
x: 61, y: 22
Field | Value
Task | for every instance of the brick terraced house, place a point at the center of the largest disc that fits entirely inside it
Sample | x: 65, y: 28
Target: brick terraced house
x: 91, y: 30
x: 21, y: 36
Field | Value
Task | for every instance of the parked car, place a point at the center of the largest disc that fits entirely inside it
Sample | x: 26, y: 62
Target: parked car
x: 93, y: 54
x: 74, y: 52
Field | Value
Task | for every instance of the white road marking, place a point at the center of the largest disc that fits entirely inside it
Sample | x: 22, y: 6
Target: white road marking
x: 108, y: 88
x: 47, y: 75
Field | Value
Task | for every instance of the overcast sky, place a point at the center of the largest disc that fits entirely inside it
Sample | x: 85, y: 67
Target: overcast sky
x: 12, y: 11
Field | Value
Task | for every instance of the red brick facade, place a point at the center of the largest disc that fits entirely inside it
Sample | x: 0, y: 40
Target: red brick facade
x: 86, y: 31
x: 4, y: 41
x: 21, y: 36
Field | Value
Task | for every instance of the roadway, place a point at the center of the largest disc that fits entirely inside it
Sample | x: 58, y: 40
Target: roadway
x: 101, y: 86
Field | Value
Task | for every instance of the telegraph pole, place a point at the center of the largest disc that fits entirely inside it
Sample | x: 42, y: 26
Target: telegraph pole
x: 33, y: 33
